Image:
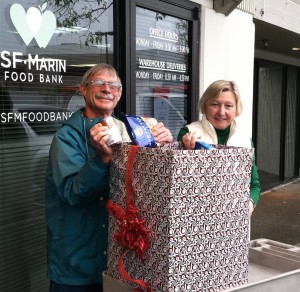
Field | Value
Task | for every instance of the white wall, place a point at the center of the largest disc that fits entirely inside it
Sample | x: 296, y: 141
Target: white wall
x: 227, y: 52
x: 283, y: 13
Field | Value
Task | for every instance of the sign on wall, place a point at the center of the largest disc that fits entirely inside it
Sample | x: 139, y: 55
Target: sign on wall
x: 162, y: 73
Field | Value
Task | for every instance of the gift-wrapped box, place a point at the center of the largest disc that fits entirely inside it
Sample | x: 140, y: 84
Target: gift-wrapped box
x: 195, y: 205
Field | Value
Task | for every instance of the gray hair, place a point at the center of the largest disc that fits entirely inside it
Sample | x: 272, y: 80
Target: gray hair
x: 100, y: 68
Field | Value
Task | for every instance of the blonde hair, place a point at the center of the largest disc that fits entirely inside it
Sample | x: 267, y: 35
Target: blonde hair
x: 213, y: 91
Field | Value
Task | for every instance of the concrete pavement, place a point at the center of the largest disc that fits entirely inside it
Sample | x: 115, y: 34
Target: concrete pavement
x: 277, y: 215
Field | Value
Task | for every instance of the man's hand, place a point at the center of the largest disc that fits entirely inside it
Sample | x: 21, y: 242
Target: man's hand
x: 161, y: 134
x: 99, y: 136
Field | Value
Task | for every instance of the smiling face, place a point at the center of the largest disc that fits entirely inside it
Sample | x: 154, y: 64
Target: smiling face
x: 221, y: 111
x: 100, y: 99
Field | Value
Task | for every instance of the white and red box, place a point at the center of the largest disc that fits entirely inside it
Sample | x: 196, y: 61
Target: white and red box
x: 195, y: 204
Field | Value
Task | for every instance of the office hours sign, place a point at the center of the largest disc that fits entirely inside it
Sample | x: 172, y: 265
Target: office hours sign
x: 162, y: 73
x: 162, y: 46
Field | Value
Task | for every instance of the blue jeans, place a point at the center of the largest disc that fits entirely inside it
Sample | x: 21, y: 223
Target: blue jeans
x: 70, y: 288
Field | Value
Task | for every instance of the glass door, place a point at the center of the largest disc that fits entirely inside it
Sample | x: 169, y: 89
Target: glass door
x: 162, y: 67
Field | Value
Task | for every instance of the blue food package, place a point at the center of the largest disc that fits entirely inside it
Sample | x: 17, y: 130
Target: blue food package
x: 138, y: 131
x: 203, y: 145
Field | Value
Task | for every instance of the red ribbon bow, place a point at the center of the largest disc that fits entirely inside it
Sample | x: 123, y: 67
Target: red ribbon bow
x: 132, y: 233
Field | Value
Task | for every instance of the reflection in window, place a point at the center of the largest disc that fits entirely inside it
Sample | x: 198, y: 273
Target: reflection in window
x: 162, y: 78
x: 39, y: 89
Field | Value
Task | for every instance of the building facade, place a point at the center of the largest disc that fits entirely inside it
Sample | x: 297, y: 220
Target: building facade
x: 166, y: 52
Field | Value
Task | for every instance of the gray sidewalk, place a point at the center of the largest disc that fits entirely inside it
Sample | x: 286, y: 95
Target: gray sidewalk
x: 277, y: 215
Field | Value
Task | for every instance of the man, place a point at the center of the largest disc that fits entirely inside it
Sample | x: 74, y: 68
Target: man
x: 77, y: 186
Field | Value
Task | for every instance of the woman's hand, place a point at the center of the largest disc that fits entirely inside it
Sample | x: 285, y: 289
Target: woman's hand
x: 251, y: 208
x: 99, y: 136
x: 161, y: 134
x: 189, y: 140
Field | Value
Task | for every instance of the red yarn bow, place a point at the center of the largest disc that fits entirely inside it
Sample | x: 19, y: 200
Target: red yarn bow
x: 132, y: 233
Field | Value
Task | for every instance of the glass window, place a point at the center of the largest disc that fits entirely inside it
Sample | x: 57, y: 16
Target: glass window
x: 290, y: 124
x: 162, y: 79
x: 44, y: 51
x: 269, y: 121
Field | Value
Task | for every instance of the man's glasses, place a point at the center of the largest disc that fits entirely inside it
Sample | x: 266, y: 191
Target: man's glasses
x: 113, y: 85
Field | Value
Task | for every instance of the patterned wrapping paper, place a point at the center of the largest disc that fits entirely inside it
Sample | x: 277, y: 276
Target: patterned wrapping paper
x: 195, y: 203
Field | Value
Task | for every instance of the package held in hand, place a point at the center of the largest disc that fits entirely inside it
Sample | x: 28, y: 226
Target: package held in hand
x: 138, y: 130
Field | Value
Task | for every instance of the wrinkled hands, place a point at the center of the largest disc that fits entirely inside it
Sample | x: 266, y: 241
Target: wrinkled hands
x: 161, y: 134
x: 99, y: 136
x: 189, y: 140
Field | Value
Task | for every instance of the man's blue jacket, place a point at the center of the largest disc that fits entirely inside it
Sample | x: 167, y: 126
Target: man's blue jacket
x: 76, y: 191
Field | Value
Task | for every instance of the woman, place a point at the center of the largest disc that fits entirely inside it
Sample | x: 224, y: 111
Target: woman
x: 220, y: 104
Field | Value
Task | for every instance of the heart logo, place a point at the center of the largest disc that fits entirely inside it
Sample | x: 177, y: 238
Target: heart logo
x: 34, y: 20
x: 19, y: 17
x: 36, y: 23
x: 47, y: 29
